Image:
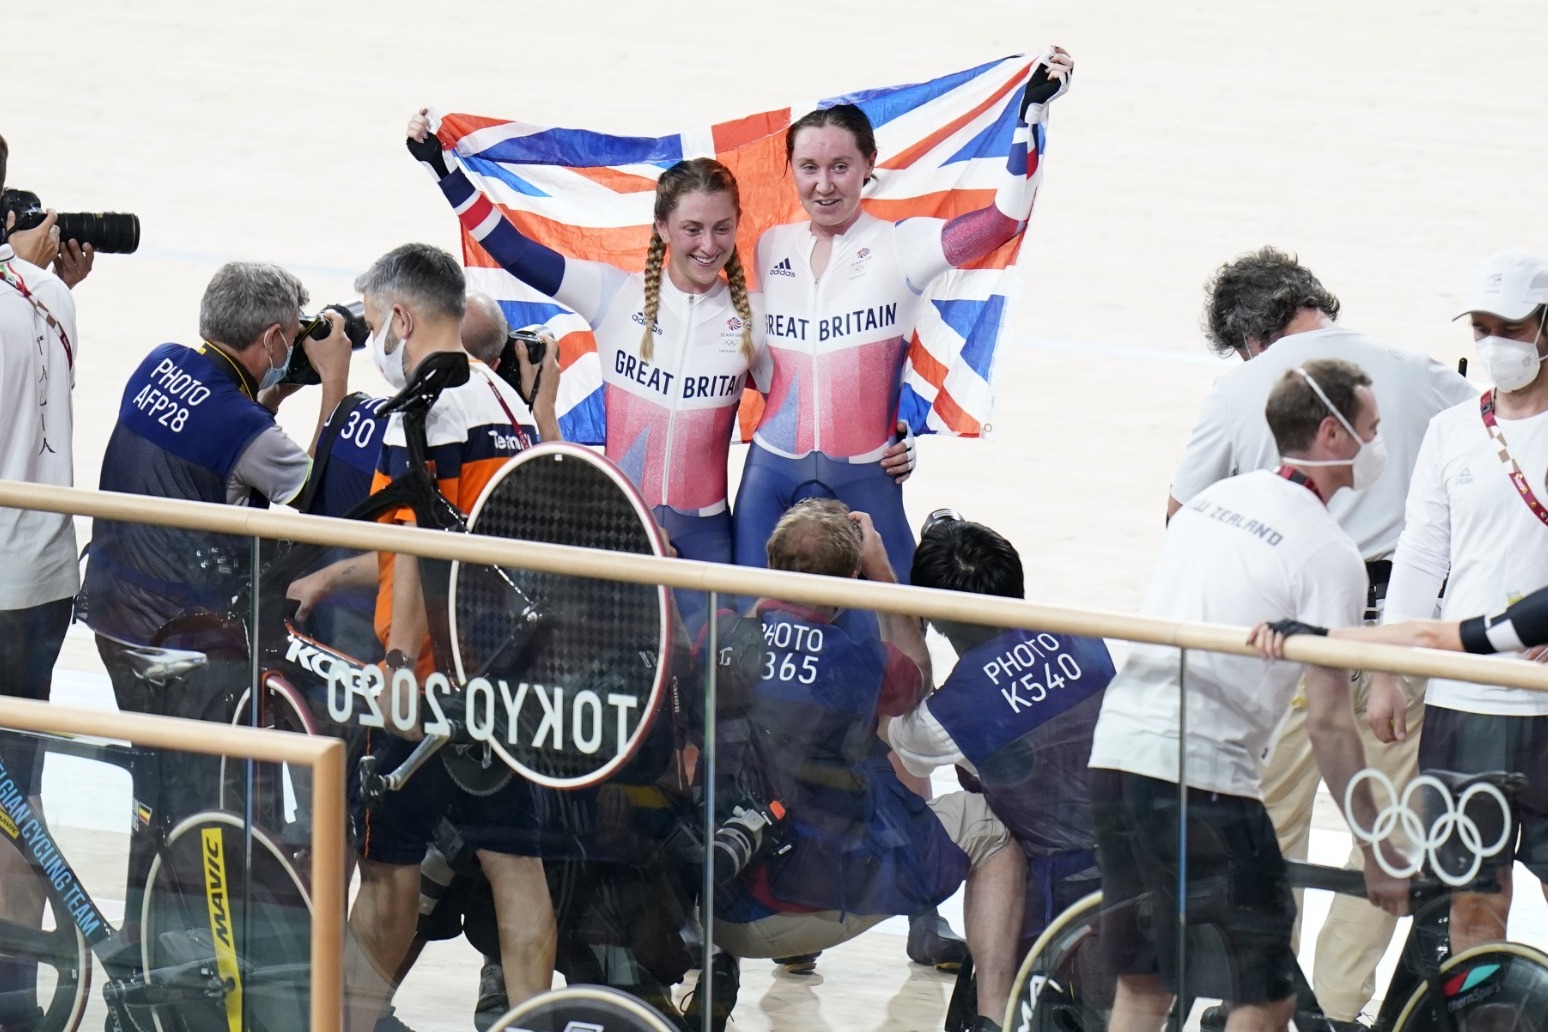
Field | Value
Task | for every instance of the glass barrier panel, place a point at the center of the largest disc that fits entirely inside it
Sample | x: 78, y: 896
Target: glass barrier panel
x: 527, y: 766
x: 179, y: 877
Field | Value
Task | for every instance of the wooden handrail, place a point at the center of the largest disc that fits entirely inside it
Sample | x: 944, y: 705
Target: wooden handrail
x: 325, y: 757
x: 932, y: 604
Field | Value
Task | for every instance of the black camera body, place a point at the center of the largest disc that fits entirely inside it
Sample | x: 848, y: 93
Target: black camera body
x: 536, y: 347
x: 510, y: 370
x: 315, y: 327
x: 112, y: 232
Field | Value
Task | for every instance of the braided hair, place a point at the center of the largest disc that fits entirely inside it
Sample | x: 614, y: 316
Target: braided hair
x: 703, y: 175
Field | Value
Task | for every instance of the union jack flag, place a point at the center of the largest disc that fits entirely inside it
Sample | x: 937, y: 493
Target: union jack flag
x: 942, y: 150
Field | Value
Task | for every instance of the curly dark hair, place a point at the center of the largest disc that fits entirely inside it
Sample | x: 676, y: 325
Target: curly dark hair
x: 1256, y: 296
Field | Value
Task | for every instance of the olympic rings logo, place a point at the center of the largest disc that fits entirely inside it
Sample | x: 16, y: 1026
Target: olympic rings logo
x: 1452, y: 819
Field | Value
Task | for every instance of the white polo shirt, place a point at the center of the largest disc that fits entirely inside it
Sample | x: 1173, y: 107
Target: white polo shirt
x: 1465, y: 519
x: 1246, y: 549
x: 37, y: 371
x: 1233, y: 437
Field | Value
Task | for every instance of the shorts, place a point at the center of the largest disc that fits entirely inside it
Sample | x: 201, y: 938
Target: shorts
x: 29, y: 645
x: 1239, y: 905
x: 1472, y: 743
x: 971, y: 825
x: 702, y: 538
x: 404, y: 822
x: 773, y: 483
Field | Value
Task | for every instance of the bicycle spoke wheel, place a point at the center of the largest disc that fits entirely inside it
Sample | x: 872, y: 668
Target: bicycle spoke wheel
x: 579, y: 661
x: 1498, y: 987
x: 1063, y: 985
x: 47, y: 967
x: 226, y: 930
x: 281, y: 708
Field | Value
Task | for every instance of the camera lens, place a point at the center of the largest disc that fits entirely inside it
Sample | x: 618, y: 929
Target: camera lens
x: 734, y: 848
x: 112, y: 232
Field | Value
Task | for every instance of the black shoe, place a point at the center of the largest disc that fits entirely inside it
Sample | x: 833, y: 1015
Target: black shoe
x: 725, y: 980
x: 800, y: 964
x: 1214, y: 1018
x: 931, y: 941
x: 390, y: 1022
x: 492, y: 1001
x: 984, y: 1024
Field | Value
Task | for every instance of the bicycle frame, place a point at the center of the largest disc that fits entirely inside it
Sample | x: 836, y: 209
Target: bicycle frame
x: 1061, y: 987
x: 134, y: 987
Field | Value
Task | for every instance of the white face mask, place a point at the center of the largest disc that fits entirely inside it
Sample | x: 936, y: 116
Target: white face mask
x: 1368, y: 464
x: 1511, y: 364
x: 276, y: 372
x: 391, y: 362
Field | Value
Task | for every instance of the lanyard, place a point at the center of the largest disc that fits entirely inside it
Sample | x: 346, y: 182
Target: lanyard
x: 236, y: 373
x: 13, y: 277
x: 1295, y: 476
x: 1486, y: 410
x: 521, y: 436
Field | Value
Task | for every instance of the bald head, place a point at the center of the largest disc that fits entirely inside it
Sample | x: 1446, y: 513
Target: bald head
x: 484, y: 328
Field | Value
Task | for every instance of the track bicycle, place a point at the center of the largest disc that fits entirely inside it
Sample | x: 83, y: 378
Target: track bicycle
x: 1065, y: 985
x: 221, y: 939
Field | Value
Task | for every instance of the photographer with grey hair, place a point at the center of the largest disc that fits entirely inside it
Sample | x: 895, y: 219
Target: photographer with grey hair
x: 414, y: 305
x: 197, y: 423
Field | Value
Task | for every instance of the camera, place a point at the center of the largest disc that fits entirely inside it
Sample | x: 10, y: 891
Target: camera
x: 315, y: 327
x: 750, y: 833
x: 510, y: 370
x: 113, y: 232
x: 536, y: 347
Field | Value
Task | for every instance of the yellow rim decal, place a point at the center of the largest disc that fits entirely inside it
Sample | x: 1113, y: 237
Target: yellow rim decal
x: 218, y: 896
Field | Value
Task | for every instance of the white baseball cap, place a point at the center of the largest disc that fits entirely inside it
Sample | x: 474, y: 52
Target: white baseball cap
x: 1511, y: 285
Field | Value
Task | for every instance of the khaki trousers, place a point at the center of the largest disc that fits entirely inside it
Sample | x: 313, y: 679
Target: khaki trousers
x: 1356, y: 934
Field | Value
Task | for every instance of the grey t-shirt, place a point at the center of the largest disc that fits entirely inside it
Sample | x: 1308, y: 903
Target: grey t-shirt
x: 273, y: 465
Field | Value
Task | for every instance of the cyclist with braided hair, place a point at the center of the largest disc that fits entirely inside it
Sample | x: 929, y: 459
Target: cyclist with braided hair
x: 675, y: 341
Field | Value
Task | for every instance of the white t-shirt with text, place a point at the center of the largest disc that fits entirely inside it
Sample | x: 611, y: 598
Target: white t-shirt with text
x: 1251, y: 548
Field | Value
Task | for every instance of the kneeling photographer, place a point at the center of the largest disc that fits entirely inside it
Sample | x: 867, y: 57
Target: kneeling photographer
x: 197, y: 423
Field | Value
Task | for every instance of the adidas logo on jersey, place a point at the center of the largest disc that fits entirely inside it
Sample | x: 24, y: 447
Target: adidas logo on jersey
x: 783, y: 269
x: 655, y: 327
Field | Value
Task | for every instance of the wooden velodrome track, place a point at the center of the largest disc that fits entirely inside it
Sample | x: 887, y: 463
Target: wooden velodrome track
x: 1393, y: 145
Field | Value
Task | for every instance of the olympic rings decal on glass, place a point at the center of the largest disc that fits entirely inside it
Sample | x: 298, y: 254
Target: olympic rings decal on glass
x: 1400, y: 814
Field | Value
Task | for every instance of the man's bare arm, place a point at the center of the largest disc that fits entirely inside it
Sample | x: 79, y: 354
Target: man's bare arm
x: 1330, y: 724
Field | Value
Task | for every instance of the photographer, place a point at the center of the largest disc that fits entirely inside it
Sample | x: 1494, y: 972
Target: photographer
x: 414, y: 303
x: 41, y: 245
x: 197, y: 423
x: 1015, y: 717
x: 38, y: 345
x: 863, y: 847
